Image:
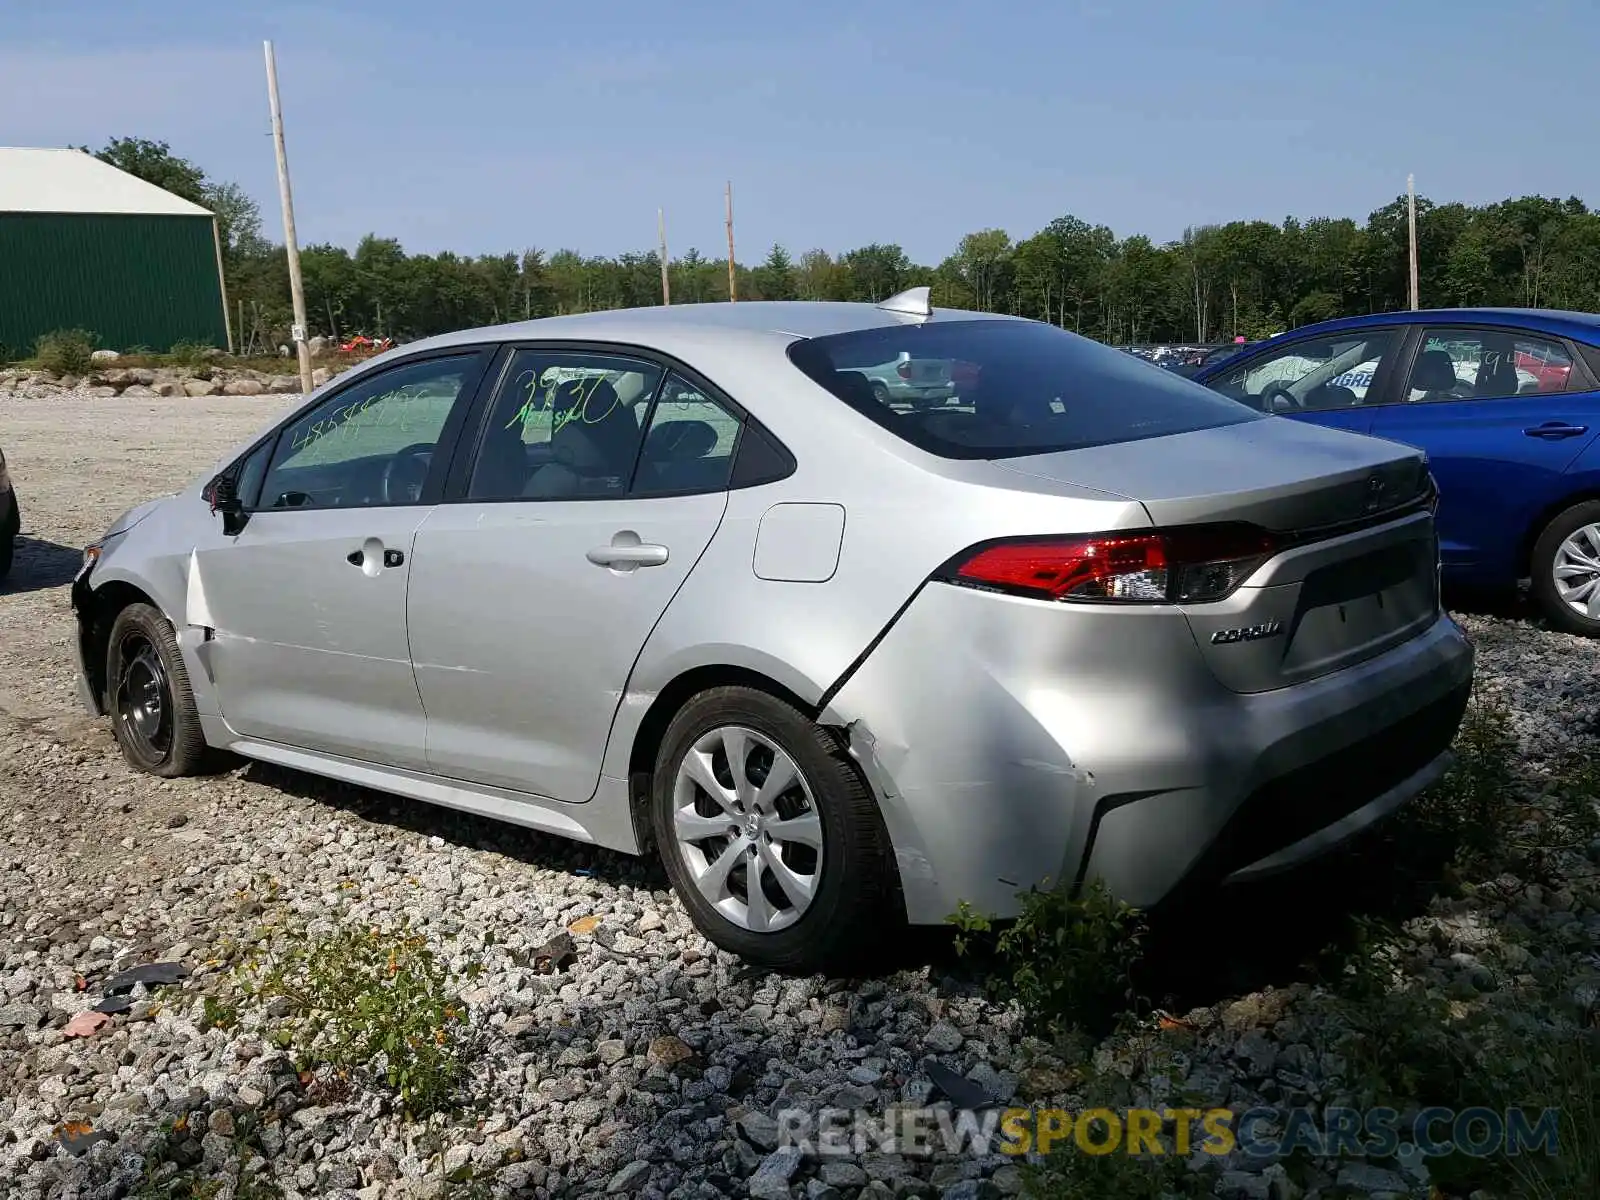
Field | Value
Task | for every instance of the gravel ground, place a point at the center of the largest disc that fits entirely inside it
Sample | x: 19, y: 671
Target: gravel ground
x: 652, y: 1065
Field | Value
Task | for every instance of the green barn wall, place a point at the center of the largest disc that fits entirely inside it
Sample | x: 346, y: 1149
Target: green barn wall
x: 132, y: 280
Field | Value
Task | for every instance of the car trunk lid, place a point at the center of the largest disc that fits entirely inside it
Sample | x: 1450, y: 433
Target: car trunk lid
x: 1354, y: 571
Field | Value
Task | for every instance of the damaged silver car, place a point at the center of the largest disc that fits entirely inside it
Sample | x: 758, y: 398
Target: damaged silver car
x: 681, y: 581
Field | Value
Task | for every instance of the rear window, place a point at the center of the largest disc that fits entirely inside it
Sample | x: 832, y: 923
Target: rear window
x: 1006, y: 389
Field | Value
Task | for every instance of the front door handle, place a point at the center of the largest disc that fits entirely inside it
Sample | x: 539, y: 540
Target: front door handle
x: 627, y: 553
x: 371, y: 554
x: 1556, y: 430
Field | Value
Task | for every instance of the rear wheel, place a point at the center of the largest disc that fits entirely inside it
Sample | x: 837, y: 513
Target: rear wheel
x: 153, y: 713
x: 769, y: 834
x: 1566, y: 570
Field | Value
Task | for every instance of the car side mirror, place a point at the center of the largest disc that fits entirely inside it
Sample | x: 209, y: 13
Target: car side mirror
x: 223, y: 495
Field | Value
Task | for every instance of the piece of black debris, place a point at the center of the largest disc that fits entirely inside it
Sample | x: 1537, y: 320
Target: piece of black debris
x: 963, y: 1092
x: 150, y: 974
x: 112, y: 1005
x: 559, y: 953
x: 177, y: 821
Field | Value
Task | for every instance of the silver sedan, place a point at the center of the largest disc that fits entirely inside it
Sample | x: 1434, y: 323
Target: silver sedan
x: 679, y: 581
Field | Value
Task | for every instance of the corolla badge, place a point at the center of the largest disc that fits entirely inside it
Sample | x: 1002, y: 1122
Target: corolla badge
x: 1247, y: 633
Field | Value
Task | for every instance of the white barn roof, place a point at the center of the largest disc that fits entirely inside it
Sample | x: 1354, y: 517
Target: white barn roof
x: 70, y: 181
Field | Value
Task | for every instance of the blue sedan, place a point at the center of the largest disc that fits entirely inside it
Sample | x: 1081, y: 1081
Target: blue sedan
x: 1506, y: 403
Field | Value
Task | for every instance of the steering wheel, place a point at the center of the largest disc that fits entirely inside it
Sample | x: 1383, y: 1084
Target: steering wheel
x: 406, y: 472
x: 1276, y: 397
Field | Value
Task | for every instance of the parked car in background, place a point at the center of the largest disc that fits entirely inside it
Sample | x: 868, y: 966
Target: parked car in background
x: 10, y: 519
x: 681, y: 581
x: 1506, y: 404
x: 1194, y: 358
x: 915, y: 381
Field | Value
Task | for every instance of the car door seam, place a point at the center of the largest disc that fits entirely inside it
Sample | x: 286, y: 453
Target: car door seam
x: 627, y: 680
x: 411, y: 561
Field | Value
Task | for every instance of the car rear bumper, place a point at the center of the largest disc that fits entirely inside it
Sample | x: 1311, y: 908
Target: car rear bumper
x: 1012, y: 743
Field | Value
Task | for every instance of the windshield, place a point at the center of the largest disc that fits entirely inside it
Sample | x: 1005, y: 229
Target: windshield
x: 1005, y: 389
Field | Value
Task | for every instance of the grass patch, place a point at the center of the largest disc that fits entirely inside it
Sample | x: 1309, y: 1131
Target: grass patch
x: 173, y: 1171
x: 1408, y: 1047
x: 191, y: 354
x: 366, y: 1001
x: 65, y: 351
x: 1471, y: 811
x: 1066, y: 959
x: 1484, y: 813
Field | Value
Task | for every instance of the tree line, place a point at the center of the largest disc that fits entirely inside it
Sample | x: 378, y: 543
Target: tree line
x: 1243, y: 278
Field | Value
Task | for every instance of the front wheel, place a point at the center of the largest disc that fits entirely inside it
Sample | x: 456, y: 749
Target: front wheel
x: 769, y: 834
x: 153, y: 712
x: 1566, y: 570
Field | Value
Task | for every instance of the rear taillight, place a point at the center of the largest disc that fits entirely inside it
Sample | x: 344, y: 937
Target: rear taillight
x: 903, y: 369
x: 1191, y: 565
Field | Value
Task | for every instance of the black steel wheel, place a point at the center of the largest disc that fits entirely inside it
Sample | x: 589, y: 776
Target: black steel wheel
x: 153, y: 713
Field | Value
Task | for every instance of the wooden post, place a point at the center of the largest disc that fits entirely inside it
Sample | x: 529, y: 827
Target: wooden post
x: 733, y: 281
x: 222, y: 282
x: 1411, y: 221
x: 666, y: 283
x: 297, y: 291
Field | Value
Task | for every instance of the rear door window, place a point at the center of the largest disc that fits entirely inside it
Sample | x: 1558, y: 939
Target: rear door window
x: 1006, y: 389
x: 1486, y: 364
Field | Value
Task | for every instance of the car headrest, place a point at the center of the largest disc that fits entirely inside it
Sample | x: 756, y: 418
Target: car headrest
x: 1010, y: 396
x: 680, y: 441
x: 1434, y: 372
x: 589, y: 400
x: 1497, y: 376
x: 597, y: 434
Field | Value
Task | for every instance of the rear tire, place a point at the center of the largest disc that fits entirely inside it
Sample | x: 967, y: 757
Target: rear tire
x: 10, y: 527
x: 1561, y: 577
x: 152, y: 707
x: 798, y: 816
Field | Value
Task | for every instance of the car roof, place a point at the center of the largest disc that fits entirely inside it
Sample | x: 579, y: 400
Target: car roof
x: 662, y: 326
x: 1584, y: 327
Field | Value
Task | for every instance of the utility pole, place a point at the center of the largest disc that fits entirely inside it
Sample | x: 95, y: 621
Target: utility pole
x: 1411, y: 220
x: 661, y: 230
x: 297, y: 291
x: 733, y: 283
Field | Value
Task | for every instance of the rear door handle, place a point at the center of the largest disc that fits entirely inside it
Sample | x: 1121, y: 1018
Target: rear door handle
x: 626, y: 553
x: 1556, y: 430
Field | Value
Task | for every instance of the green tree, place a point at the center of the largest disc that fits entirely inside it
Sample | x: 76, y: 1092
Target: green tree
x: 774, y: 278
x: 876, y: 272
x: 984, y: 259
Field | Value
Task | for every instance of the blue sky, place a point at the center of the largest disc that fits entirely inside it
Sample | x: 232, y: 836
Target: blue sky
x: 490, y: 125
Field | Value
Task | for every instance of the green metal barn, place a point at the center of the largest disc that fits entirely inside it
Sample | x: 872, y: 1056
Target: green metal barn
x: 86, y: 246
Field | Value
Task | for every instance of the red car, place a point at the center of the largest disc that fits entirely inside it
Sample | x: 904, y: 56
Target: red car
x: 1552, y: 376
